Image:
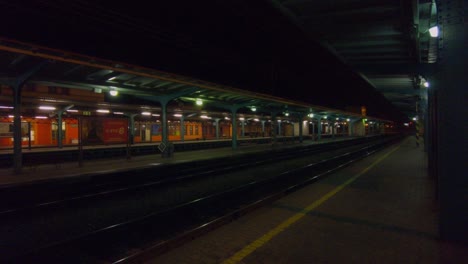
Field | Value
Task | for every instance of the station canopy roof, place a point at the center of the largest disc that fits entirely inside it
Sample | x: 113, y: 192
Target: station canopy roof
x: 143, y: 87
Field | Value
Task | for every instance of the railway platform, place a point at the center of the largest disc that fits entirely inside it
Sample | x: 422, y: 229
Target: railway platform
x: 381, y: 209
x: 72, y: 170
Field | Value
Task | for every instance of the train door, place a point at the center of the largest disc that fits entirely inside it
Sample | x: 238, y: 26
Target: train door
x: 55, y: 132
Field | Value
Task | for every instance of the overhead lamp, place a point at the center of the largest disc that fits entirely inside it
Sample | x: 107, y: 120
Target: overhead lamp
x: 347, y: 119
x: 324, y: 117
x: 310, y: 115
x: 72, y: 110
x: 155, y: 115
x: 415, y: 118
x: 178, y: 115
x: 286, y: 114
x: 434, y: 31
x: 40, y: 117
x: 426, y: 84
x: 256, y: 119
x: 42, y: 107
x: 113, y: 92
x: 241, y: 118
x: 227, y: 118
x: 199, y: 102
x: 118, y: 113
x: 337, y: 118
x: 205, y: 117
x: 253, y: 109
x: 104, y: 111
x: 146, y: 113
x: 6, y: 107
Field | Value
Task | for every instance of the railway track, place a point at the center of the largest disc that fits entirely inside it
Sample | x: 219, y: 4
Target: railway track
x: 129, y: 238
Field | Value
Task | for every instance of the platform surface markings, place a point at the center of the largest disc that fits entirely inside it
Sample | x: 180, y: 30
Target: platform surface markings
x: 250, y: 248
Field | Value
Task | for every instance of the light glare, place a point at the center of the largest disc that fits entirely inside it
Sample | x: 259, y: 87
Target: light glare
x: 434, y: 31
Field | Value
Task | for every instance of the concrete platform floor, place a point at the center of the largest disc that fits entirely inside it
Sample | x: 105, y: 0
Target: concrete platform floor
x: 381, y: 209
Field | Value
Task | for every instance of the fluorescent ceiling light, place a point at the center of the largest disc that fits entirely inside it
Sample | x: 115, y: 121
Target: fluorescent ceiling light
x: 40, y: 117
x: 6, y: 107
x: 145, y: 113
x: 199, y: 102
x: 72, y: 110
x: 118, y: 113
x: 178, y: 115
x: 104, y: 111
x: 113, y: 92
x: 155, y: 114
x: 205, y: 117
x: 42, y: 107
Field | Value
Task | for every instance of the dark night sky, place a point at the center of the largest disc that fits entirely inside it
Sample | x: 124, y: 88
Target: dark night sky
x: 245, y: 44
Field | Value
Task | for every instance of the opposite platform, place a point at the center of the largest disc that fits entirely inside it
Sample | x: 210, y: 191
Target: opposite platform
x: 381, y: 209
x: 71, y: 169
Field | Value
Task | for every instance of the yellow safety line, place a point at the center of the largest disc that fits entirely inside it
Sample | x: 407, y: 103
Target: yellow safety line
x: 237, y: 257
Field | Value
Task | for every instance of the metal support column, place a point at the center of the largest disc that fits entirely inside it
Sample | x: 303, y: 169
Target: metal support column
x: 279, y: 128
x: 301, y: 123
x: 234, y: 127
x: 182, y: 128
x: 131, y: 132
x: 273, y: 130
x: 217, y: 127
x: 263, y: 128
x: 450, y: 83
x: 17, y: 155
x: 59, y: 129
x: 17, y: 137
x: 319, y: 128
x: 164, y: 138
x: 333, y: 126
x: 313, y: 128
x: 243, y: 128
